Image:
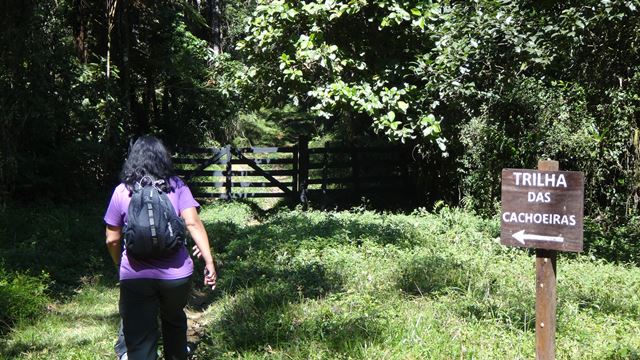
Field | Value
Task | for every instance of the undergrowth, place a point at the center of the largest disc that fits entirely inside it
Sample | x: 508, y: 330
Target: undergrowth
x: 352, y: 284
x: 362, y: 284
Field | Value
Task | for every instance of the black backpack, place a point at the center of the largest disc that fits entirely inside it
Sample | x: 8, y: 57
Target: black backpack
x: 153, y: 230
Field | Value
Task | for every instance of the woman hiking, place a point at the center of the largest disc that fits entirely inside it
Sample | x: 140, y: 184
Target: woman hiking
x: 157, y: 285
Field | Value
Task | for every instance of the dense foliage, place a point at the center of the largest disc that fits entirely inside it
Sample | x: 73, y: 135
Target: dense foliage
x: 502, y: 83
x: 22, y: 297
x: 78, y: 79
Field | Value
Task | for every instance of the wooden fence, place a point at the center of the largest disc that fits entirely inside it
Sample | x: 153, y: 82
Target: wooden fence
x: 295, y: 172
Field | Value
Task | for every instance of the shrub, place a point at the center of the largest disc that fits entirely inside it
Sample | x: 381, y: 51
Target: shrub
x: 22, y: 297
x: 608, y: 239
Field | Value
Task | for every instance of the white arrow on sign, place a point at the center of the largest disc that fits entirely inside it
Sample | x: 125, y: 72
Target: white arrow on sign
x: 521, y: 237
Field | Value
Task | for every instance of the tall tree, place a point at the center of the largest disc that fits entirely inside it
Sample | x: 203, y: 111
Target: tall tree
x: 80, y: 29
x: 215, y: 20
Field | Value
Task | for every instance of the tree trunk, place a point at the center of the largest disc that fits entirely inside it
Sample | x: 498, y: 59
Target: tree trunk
x: 112, y: 9
x: 136, y: 111
x: 154, y: 114
x: 124, y: 30
x: 215, y: 20
x: 80, y: 29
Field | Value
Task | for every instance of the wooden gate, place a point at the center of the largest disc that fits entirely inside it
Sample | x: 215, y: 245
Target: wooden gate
x: 296, y: 172
x: 232, y: 173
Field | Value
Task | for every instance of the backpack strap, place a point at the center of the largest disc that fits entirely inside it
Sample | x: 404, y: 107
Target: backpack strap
x: 152, y: 222
x: 159, y: 185
x: 149, y: 180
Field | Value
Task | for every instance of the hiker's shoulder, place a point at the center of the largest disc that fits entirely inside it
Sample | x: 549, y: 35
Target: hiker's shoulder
x: 121, y: 188
x: 177, y: 183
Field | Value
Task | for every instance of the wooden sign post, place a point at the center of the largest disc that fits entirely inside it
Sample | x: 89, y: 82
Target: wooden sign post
x: 543, y: 209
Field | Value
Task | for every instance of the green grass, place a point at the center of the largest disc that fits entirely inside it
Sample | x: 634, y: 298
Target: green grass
x: 366, y: 285
x: 362, y: 285
x: 82, y: 328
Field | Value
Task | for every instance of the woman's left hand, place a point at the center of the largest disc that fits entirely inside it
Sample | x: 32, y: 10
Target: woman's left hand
x: 210, y: 276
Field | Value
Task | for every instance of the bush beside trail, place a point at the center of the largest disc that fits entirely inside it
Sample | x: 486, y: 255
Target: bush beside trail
x: 22, y: 297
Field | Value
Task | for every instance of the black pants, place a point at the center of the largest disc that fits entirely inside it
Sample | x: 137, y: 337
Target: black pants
x: 141, y: 301
x: 120, y: 347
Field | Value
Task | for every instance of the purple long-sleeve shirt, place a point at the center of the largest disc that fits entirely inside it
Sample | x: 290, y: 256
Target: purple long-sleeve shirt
x: 176, y: 266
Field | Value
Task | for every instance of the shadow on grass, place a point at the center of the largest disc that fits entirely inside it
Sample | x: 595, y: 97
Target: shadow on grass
x: 426, y: 275
x: 19, y: 350
x: 265, y: 252
x: 623, y: 352
x: 244, y: 258
x: 269, y: 315
x: 270, y: 269
x: 63, y: 241
x: 15, y: 350
x: 292, y: 230
x: 479, y: 295
x: 221, y: 233
x: 255, y: 318
x: 74, y: 318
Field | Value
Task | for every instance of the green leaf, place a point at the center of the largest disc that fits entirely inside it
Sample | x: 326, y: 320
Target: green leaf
x: 428, y: 120
x: 391, y: 115
x: 403, y: 106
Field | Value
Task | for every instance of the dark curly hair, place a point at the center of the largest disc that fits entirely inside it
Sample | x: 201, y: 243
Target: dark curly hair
x: 148, y: 157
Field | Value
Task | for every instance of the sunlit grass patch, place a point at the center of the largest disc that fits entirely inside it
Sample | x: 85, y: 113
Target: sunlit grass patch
x: 82, y: 328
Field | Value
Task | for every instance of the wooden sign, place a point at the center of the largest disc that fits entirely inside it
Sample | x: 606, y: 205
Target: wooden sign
x: 542, y: 209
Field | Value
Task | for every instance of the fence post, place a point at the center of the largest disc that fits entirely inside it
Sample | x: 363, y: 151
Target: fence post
x: 228, y: 181
x: 294, y: 169
x: 355, y: 172
x: 325, y: 175
x: 405, y: 155
x: 303, y: 169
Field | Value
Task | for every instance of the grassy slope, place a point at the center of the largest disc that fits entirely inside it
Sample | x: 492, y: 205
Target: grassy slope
x: 365, y: 285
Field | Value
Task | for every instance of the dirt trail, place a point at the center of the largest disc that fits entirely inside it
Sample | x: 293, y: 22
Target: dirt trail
x: 196, y: 320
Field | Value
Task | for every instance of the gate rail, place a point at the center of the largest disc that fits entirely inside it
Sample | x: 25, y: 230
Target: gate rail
x: 296, y: 172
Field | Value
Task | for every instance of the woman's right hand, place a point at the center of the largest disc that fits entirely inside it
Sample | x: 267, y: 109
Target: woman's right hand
x: 199, y: 235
